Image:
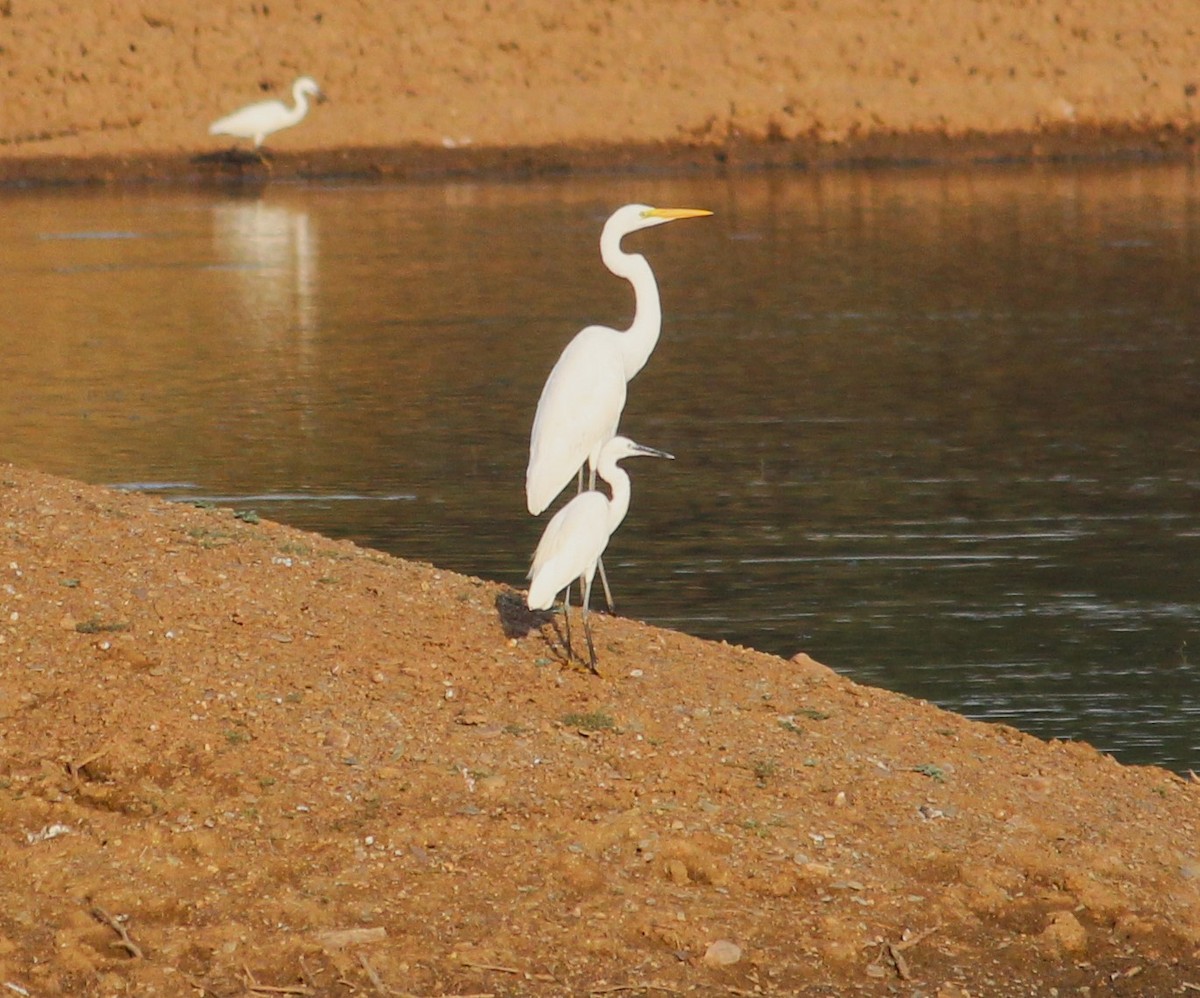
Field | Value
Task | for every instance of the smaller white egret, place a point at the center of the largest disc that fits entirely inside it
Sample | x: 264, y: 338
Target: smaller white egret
x: 577, y: 535
x: 258, y: 120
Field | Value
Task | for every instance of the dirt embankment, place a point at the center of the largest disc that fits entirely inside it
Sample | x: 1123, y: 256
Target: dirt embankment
x: 237, y: 759
x: 114, y: 89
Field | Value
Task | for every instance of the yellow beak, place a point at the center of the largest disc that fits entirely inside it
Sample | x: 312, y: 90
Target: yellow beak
x: 677, y: 213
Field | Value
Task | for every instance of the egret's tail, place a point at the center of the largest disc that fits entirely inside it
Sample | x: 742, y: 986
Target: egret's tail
x: 539, y: 493
x: 546, y: 583
x: 539, y: 597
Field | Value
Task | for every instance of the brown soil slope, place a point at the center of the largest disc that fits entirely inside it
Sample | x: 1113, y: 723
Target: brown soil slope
x: 135, y: 85
x: 238, y: 759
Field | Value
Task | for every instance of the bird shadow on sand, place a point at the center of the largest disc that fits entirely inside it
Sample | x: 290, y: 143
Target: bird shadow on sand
x: 517, y: 619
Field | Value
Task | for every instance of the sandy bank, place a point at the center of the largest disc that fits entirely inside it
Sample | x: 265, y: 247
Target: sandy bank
x: 276, y: 760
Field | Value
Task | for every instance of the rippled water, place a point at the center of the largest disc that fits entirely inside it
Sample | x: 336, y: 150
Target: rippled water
x: 940, y: 430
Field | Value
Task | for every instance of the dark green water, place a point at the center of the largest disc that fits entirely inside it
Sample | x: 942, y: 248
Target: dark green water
x: 941, y: 431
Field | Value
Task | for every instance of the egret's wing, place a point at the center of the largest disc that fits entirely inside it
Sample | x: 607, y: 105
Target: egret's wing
x: 248, y: 121
x: 571, y: 544
x: 578, y: 411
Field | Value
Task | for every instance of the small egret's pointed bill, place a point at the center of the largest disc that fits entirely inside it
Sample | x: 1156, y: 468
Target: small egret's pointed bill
x: 671, y: 213
x: 641, y: 450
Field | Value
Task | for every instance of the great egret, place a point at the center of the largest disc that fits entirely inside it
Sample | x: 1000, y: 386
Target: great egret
x: 582, y: 399
x: 577, y: 535
x: 257, y: 121
x: 581, y: 402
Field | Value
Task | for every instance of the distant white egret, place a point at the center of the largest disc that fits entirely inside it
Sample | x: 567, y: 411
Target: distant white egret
x: 577, y: 535
x: 257, y: 121
x: 581, y: 402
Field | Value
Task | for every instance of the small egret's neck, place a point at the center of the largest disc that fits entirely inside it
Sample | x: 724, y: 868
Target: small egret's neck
x: 301, y: 108
x: 641, y: 337
x: 618, y: 481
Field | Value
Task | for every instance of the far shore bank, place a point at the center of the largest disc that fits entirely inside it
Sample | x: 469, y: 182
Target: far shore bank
x: 425, y: 163
x: 122, y: 93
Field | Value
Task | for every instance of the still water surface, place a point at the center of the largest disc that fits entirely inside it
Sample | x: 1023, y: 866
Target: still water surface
x: 940, y: 430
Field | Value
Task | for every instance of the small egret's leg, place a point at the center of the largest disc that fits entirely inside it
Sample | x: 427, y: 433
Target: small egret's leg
x: 608, y: 600
x: 260, y: 153
x: 587, y: 626
x: 567, y: 620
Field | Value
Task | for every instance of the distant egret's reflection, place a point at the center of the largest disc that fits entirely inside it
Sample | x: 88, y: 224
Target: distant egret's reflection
x: 274, y: 251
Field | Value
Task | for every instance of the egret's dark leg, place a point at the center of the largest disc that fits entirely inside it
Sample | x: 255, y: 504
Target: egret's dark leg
x: 567, y: 619
x: 587, y: 627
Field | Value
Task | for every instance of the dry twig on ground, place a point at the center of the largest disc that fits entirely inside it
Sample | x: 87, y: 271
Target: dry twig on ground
x: 130, y: 947
x: 288, y: 989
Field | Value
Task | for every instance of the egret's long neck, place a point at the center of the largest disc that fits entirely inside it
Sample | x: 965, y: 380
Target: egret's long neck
x: 640, y: 338
x: 618, y: 481
x: 301, y: 108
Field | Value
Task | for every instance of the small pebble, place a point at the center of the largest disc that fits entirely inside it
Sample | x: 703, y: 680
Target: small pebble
x: 722, y: 953
x: 337, y: 738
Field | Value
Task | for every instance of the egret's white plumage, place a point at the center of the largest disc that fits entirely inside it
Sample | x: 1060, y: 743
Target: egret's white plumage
x: 580, y: 406
x: 577, y: 535
x: 257, y: 121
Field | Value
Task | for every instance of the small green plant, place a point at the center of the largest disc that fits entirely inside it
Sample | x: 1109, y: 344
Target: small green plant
x: 935, y: 773
x: 595, y: 720
x: 247, y: 516
x: 210, y: 537
x: 98, y: 626
x: 763, y: 769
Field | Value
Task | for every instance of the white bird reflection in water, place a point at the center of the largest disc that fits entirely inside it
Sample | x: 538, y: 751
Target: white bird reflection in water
x: 274, y: 252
